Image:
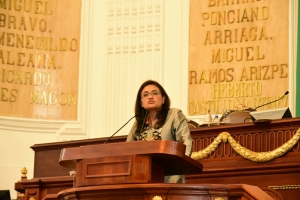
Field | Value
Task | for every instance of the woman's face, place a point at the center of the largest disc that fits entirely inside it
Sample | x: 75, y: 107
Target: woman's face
x: 151, y: 98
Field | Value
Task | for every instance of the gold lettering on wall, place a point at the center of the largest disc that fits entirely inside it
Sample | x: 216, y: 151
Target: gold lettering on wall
x: 39, y: 58
x: 238, y: 51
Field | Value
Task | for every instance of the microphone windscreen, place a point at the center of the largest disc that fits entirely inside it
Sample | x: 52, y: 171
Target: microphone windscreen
x: 286, y: 93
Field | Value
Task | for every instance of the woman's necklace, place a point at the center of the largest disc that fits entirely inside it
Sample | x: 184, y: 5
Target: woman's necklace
x: 151, y: 131
x: 151, y: 124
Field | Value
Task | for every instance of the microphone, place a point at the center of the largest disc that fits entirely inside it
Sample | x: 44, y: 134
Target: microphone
x: 286, y: 93
x: 120, y: 128
x: 143, y: 122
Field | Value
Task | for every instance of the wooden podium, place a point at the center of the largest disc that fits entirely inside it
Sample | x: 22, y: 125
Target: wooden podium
x: 136, y: 170
x: 128, y: 162
x: 225, y: 174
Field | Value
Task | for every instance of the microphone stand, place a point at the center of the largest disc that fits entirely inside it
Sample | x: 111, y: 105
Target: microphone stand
x: 143, y: 122
x: 286, y: 93
x: 119, y: 129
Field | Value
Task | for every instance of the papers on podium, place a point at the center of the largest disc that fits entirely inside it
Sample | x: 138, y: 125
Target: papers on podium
x: 278, y: 113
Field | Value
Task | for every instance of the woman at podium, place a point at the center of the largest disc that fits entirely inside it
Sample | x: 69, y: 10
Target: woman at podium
x: 155, y: 120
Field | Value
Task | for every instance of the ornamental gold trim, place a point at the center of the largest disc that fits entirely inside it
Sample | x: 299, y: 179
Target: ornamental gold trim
x: 212, y: 147
x: 219, y: 198
x: 24, y: 174
x: 285, y: 187
x: 157, y: 198
x: 244, y: 152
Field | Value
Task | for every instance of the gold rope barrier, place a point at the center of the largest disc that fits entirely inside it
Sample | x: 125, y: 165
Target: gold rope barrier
x: 244, y: 152
x: 208, y: 150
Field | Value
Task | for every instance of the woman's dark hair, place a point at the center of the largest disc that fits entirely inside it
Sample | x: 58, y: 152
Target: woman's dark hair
x: 140, y: 112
